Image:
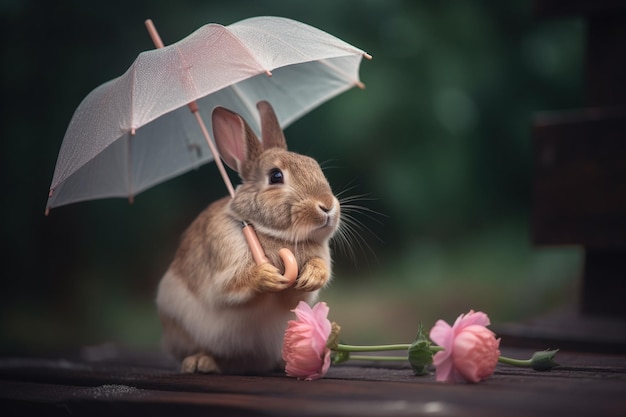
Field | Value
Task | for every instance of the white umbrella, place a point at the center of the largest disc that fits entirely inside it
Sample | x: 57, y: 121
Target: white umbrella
x: 136, y: 131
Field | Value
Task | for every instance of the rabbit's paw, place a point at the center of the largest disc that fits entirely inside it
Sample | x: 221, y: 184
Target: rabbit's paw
x: 314, y: 275
x: 269, y: 278
x: 199, y: 363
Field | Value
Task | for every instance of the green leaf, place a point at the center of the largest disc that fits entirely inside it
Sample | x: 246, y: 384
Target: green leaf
x: 420, y: 355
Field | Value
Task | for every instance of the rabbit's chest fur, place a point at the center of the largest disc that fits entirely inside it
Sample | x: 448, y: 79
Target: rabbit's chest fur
x: 229, y: 332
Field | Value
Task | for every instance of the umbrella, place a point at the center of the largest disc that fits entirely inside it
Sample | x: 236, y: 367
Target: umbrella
x: 136, y: 130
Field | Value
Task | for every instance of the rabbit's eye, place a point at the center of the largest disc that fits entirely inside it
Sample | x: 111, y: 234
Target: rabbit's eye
x: 276, y: 176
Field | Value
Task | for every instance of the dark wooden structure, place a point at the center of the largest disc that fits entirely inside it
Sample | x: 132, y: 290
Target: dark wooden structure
x: 580, y: 161
x: 579, y: 188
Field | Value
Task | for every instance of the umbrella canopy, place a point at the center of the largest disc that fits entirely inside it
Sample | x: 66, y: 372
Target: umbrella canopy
x: 135, y: 131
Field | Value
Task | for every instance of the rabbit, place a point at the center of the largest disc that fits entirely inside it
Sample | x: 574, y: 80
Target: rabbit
x: 219, y: 311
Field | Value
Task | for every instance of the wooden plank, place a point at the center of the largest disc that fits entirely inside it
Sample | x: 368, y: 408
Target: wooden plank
x: 585, y: 384
x: 579, y: 184
x: 568, y: 329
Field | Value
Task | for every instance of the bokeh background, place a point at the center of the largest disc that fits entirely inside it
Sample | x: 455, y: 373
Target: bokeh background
x: 438, y: 145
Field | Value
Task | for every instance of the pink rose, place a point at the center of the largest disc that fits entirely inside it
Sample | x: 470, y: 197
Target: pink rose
x: 470, y: 352
x: 304, y: 346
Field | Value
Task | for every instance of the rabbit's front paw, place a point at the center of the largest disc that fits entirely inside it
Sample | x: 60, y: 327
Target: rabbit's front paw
x: 314, y: 275
x: 269, y: 278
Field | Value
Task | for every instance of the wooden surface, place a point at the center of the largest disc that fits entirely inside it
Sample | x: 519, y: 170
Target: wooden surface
x: 111, y: 381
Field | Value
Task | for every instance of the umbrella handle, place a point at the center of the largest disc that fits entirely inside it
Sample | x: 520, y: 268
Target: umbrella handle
x: 288, y: 258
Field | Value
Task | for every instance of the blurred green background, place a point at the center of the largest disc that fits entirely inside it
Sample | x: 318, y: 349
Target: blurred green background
x: 438, y: 144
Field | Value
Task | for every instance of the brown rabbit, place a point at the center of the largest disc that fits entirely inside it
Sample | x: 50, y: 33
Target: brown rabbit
x: 220, y: 311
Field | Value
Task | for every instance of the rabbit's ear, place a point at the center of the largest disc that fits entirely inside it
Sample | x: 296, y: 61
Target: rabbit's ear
x: 271, y: 133
x: 235, y: 140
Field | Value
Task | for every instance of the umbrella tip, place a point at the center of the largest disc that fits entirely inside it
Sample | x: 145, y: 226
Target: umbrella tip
x: 367, y: 56
x: 154, y: 34
x: 47, y: 211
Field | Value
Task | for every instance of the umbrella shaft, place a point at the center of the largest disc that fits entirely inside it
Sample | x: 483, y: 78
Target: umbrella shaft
x: 253, y: 243
x: 218, y: 161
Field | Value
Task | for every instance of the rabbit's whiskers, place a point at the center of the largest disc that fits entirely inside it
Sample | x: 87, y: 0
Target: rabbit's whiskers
x: 350, y: 235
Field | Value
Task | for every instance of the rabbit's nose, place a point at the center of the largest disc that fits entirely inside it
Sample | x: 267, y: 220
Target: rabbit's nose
x: 324, y: 207
x: 326, y: 204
